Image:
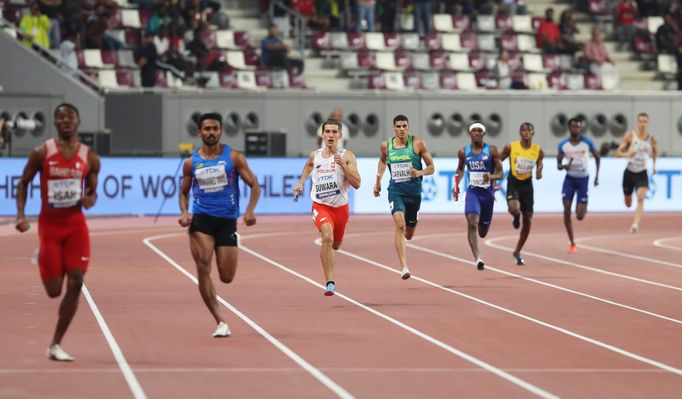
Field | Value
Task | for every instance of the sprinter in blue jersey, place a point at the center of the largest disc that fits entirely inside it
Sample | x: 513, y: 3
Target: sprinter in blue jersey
x: 483, y: 166
x: 212, y: 173
x: 577, y: 150
x: 403, y: 155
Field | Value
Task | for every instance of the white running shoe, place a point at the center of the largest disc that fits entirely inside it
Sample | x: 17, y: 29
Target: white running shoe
x: 55, y: 352
x: 222, y: 331
x: 634, y: 228
x: 405, y: 273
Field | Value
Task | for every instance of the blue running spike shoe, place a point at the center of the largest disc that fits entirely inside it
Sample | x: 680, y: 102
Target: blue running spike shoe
x: 329, y: 291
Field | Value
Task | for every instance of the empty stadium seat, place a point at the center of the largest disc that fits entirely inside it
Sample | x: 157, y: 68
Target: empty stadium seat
x: 394, y: 81
x: 130, y: 18
x: 375, y: 41
x: 551, y: 61
x: 438, y: 60
x: 320, y: 42
x: 485, y: 23
x: 235, y: 59
x: 412, y: 80
x: 477, y: 61
x: 279, y: 79
x: 526, y: 44
x: 575, y: 81
x: 392, y: 40
x: 421, y: 61
x: 366, y: 60
x: 375, y: 80
x: 126, y: 59
x: 591, y: 82
x: 356, y: 41
x: 443, y: 23
x: 263, y: 79
x: 227, y: 79
x: 296, y: 80
x: 448, y: 80
x: 339, y: 40
x: 508, y: 42
x: 402, y: 59
x: 667, y: 65
x: 107, y: 78
x: 109, y: 58
x: 536, y: 81
x: 430, y: 80
x: 503, y: 23
x: 161, y: 78
x: 246, y: 80
x: 225, y: 39
x: 466, y: 81
x: 486, y: 42
x: 461, y: 22
x: 92, y: 58
x: 458, y: 62
x: 125, y: 78
x: 532, y: 63
x: 556, y: 80
x: 409, y: 41
x: 468, y: 41
x: 522, y: 24
x: 435, y: 42
x: 385, y: 61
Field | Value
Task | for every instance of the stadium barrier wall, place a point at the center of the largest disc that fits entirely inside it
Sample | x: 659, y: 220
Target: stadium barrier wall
x: 138, y: 186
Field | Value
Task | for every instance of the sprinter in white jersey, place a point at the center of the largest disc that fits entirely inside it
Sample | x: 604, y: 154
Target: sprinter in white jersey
x: 332, y: 171
x: 638, y: 147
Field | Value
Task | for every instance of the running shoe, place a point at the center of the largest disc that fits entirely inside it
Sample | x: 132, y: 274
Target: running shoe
x: 55, y: 352
x: 222, y: 331
x: 329, y: 291
x: 572, y: 249
x: 634, y: 228
x: 517, y: 221
x: 480, y: 265
x: 519, y: 260
x: 405, y: 274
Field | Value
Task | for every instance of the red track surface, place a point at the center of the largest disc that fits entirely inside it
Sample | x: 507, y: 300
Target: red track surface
x: 605, y: 322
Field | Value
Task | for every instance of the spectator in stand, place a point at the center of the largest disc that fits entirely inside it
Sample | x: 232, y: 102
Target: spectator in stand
x: 626, y: 14
x: 96, y: 31
x: 668, y: 36
x: 423, y: 16
x: 67, y: 52
x: 51, y: 9
x: 159, y: 19
x: 72, y: 11
x: 568, y: 29
x: 35, y: 27
x: 147, y: 61
x: 501, y: 78
x: 364, y: 11
x: 600, y: 63
x: 164, y: 55
x: 274, y: 52
x: 388, y: 17
x: 548, y: 35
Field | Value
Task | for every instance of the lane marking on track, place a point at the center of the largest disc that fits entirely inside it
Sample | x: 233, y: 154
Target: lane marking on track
x: 540, y: 282
x: 312, y: 370
x: 184, y: 370
x: 593, y: 341
x: 133, y: 383
x: 492, y: 243
x: 623, y: 254
x: 480, y: 363
x: 659, y: 243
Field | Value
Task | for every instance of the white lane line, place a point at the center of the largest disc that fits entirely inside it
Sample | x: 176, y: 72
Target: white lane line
x: 593, y: 341
x: 133, y: 383
x: 530, y: 279
x: 660, y: 243
x: 316, y: 373
x: 623, y: 254
x: 491, y: 243
x: 480, y: 363
x: 375, y: 370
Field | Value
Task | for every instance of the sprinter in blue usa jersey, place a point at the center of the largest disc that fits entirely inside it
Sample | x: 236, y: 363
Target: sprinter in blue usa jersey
x: 212, y: 174
x: 483, y: 167
x: 576, y: 149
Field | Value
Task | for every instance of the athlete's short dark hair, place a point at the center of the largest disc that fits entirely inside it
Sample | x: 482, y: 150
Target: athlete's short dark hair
x: 400, y: 118
x: 212, y: 116
x: 528, y: 125
x: 67, y: 105
x: 575, y: 119
x: 332, y: 121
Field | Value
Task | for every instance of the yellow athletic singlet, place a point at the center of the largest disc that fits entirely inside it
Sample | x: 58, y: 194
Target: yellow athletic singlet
x: 523, y: 160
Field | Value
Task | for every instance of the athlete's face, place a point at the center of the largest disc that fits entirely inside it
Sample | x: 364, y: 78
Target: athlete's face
x: 642, y: 123
x: 400, y: 128
x: 331, y: 135
x: 210, y: 132
x: 526, y: 132
x: 477, y: 135
x: 574, y: 128
x: 66, y: 122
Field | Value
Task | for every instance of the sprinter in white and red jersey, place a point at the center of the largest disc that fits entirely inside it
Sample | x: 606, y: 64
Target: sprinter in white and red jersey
x: 332, y: 171
x: 68, y: 183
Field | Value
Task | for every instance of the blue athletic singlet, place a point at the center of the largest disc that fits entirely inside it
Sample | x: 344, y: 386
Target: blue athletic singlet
x: 477, y: 165
x: 215, y: 187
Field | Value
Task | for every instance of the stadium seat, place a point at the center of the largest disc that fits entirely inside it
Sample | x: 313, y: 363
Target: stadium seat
x: 235, y: 59
x: 421, y: 61
x: 227, y: 78
x: 448, y: 80
x: 461, y: 23
x: 109, y: 58
x: 263, y: 79
x: 430, y: 80
x: 477, y: 61
x: 375, y: 41
x: 392, y: 40
x: 375, y: 80
x: 435, y: 42
x: 130, y: 18
x: 246, y: 80
x: 133, y: 39
x: 126, y: 59
x: 458, y: 62
x: 321, y: 42
x: 653, y: 23
x: 532, y: 63
x: 224, y: 39
x: 526, y: 44
x: 296, y: 80
x: 644, y: 46
x: 339, y: 40
x: 402, y: 59
x: 575, y: 81
x: 485, y: 23
x: 438, y: 60
x: 537, y: 81
x: 466, y: 81
x: 410, y: 41
x: 412, y: 80
x: 522, y: 24
x: 93, y: 58
x: 366, y: 59
x: 508, y: 42
x: 107, y: 78
x: 124, y: 78
x: 556, y: 80
x: 406, y: 22
x: 667, y: 65
x: 469, y: 41
x: 394, y: 81
x: 385, y: 61
x: 551, y: 62
x: 161, y: 78
x: 241, y: 39
x: 443, y: 23
x: 356, y: 41
x: 486, y: 42
x: 503, y: 23
x: 279, y: 79
x: 482, y: 78
x: 591, y: 82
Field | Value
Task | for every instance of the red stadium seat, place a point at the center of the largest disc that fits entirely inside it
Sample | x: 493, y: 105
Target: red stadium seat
x: 448, y: 80
x: 438, y: 59
x: 124, y: 78
x: 508, y: 42
x: 592, y: 82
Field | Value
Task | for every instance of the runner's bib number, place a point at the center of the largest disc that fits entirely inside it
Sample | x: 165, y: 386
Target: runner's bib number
x: 400, y: 172
x: 63, y: 193
x: 477, y: 179
x: 211, y: 178
x: 524, y: 166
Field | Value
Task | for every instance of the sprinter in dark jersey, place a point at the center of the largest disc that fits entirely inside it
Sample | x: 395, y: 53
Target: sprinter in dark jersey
x: 212, y: 173
x: 403, y: 155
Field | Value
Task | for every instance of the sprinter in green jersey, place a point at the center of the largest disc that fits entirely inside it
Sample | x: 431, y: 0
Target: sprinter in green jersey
x: 403, y: 154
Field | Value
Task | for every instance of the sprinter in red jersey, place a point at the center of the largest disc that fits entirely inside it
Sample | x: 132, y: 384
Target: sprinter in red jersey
x: 68, y: 183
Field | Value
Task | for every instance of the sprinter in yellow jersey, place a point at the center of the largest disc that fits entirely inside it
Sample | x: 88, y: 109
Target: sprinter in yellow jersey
x: 524, y: 156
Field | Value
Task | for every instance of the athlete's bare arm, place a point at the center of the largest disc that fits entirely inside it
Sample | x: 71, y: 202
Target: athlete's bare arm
x: 381, y: 168
x: 506, y: 151
x: 597, y: 160
x: 498, y: 172
x: 90, y: 197
x: 307, y: 169
x: 34, y: 164
x: 654, y: 152
x: 539, y: 165
x: 185, y: 186
x: 350, y: 168
x: 458, y: 173
x: 420, y: 148
x: 624, y: 146
x: 247, y: 176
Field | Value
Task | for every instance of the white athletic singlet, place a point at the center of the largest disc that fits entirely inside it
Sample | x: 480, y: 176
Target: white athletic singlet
x: 643, y: 150
x: 329, y: 182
